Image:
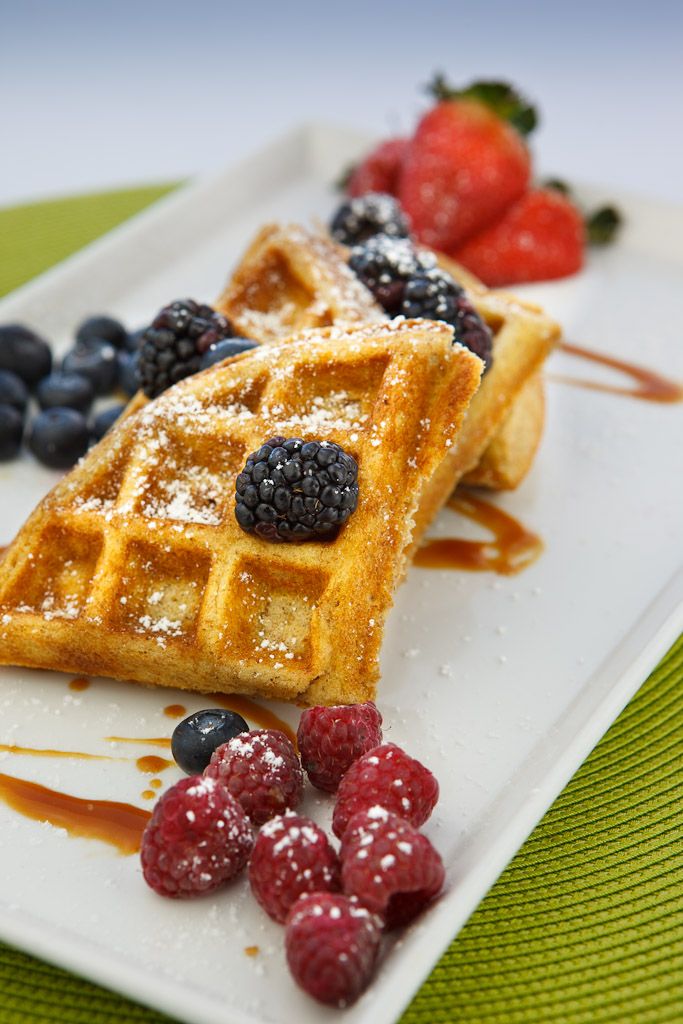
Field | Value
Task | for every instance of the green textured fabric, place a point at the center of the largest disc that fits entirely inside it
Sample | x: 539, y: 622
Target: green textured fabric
x: 586, y: 924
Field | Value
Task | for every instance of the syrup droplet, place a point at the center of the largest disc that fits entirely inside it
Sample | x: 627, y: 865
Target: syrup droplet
x: 175, y: 711
x: 156, y: 783
x: 151, y: 764
x: 648, y: 385
x: 121, y: 825
x: 511, y: 549
x: 148, y: 794
x: 80, y: 683
x: 252, y: 950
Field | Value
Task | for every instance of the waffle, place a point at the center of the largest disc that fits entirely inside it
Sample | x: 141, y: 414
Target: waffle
x: 289, y: 279
x: 134, y: 565
x: 510, y: 454
x: 292, y: 278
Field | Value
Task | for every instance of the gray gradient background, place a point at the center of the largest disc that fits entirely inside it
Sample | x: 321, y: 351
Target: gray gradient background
x: 96, y: 94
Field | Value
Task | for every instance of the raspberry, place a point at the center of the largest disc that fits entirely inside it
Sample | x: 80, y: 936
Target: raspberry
x: 197, y: 838
x: 332, y: 946
x: 291, y: 856
x: 261, y: 770
x: 332, y: 738
x: 389, y: 778
x: 390, y: 867
x: 295, y: 491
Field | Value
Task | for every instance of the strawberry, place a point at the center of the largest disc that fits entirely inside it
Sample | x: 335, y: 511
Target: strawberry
x: 380, y: 169
x: 542, y: 236
x: 466, y: 163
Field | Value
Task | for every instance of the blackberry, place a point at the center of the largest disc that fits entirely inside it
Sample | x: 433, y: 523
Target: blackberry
x: 296, y: 490
x: 375, y: 213
x: 473, y: 333
x: 385, y: 265
x: 172, y: 347
x: 435, y: 295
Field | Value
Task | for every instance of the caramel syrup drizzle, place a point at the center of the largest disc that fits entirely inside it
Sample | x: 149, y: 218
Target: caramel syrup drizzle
x: 647, y: 384
x: 13, y: 748
x: 121, y: 825
x: 511, y: 549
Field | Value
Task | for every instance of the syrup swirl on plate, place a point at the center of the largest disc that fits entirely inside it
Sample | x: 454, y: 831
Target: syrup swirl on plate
x: 647, y: 385
x: 121, y: 825
x: 511, y: 548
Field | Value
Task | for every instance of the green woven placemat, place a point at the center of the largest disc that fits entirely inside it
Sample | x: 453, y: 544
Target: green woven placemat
x: 586, y: 924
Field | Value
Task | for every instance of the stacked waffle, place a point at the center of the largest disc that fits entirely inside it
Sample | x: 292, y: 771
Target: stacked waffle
x: 134, y: 565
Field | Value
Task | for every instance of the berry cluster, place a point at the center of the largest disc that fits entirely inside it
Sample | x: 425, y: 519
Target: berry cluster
x: 334, y: 905
x: 62, y: 430
x: 464, y: 181
x: 105, y: 358
x: 405, y: 279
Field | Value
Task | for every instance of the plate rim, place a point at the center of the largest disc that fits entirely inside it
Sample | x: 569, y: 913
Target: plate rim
x: 620, y: 675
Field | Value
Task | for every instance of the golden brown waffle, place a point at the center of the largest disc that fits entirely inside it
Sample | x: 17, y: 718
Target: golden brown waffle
x: 510, y: 453
x: 135, y: 567
x: 289, y: 279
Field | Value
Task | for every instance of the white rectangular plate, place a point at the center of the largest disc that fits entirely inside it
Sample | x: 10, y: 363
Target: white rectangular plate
x: 501, y: 685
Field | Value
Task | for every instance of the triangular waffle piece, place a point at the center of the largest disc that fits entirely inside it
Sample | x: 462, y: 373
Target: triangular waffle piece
x: 290, y: 279
x: 134, y: 565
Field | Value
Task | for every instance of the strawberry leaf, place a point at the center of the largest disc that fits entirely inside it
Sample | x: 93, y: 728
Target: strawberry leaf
x: 341, y: 182
x: 500, y: 97
x: 557, y: 185
x: 603, y: 224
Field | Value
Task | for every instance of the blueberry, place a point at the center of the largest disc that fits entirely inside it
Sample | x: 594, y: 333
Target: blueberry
x: 102, y: 328
x: 11, y: 429
x: 224, y: 350
x: 128, y: 373
x: 66, y: 390
x: 105, y: 419
x: 97, y: 362
x: 23, y: 352
x: 13, y: 391
x: 195, y: 738
x: 58, y: 437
